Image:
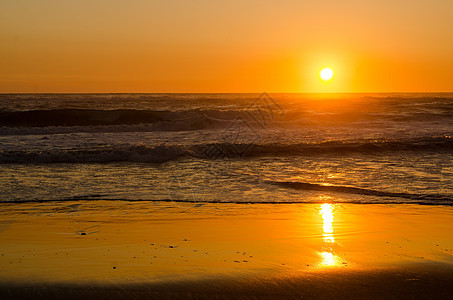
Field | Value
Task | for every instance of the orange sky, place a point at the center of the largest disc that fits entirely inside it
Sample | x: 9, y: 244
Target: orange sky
x: 225, y: 46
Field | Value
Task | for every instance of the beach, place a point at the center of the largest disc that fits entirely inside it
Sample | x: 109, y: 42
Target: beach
x: 133, y: 249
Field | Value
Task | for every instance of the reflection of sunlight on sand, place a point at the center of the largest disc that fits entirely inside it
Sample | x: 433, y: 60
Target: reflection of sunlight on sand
x: 329, y: 259
x: 326, y: 212
x: 327, y: 219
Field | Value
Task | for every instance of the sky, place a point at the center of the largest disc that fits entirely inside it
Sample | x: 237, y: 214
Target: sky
x: 225, y: 46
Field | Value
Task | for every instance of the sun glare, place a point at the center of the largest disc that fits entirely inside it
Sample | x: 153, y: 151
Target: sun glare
x: 326, y: 74
x: 327, y: 220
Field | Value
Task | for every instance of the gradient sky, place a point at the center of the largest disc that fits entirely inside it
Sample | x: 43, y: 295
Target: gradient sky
x: 225, y: 46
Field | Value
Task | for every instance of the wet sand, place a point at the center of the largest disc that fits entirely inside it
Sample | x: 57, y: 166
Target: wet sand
x: 166, y: 250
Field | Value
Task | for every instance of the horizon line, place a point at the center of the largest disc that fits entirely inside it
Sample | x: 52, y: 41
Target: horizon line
x: 427, y: 92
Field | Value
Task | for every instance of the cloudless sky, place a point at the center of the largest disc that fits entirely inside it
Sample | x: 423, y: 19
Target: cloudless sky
x: 225, y: 46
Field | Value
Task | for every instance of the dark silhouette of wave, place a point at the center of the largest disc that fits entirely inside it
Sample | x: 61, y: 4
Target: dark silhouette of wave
x: 195, y: 119
x: 361, y: 191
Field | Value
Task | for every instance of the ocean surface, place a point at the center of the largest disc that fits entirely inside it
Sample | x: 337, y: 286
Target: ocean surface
x: 233, y: 148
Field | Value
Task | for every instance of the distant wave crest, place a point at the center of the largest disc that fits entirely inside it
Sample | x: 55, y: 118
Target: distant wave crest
x: 173, y: 120
x: 96, y: 120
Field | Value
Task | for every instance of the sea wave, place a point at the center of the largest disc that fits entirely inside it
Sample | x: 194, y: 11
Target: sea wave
x: 188, y: 119
x: 361, y: 191
x: 163, y: 153
x: 198, y: 119
x: 105, y: 154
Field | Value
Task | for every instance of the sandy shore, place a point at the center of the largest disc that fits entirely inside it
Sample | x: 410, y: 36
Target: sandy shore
x: 165, y: 250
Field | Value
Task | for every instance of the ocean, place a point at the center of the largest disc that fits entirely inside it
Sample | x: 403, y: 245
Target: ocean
x: 227, y: 148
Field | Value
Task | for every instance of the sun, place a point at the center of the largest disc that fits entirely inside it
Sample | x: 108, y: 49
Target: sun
x: 326, y: 74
